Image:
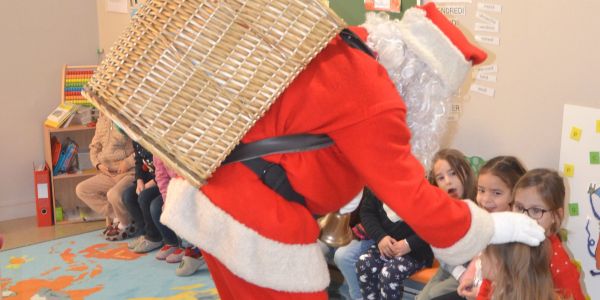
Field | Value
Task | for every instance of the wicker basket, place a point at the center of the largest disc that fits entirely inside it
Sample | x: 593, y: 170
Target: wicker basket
x: 188, y: 79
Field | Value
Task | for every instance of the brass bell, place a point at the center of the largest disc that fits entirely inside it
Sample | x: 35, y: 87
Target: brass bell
x: 335, y: 229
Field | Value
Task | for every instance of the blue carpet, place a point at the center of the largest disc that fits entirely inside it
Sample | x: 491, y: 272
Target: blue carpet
x: 87, y: 267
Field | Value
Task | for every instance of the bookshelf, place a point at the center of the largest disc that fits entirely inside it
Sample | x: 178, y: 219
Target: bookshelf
x: 67, y: 207
x: 63, y: 185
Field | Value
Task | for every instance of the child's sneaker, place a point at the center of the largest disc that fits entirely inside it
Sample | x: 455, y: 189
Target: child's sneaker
x: 176, y: 256
x: 133, y: 243
x: 146, y: 246
x: 165, y: 251
x: 119, y: 234
x: 109, y: 228
x: 191, y: 262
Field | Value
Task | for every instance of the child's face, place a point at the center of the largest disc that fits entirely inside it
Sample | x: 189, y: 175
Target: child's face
x: 492, y: 193
x: 529, y: 199
x: 447, y: 179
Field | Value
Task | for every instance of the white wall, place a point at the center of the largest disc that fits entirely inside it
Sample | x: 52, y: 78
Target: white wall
x: 546, y: 59
x: 37, y: 38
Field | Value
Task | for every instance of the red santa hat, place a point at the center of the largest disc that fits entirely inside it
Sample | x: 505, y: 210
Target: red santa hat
x: 440, y: 44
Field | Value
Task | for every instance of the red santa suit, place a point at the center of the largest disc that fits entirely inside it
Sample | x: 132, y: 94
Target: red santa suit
x: 259, y: 245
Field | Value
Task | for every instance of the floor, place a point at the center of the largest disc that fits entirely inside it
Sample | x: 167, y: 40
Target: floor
x: 24, y: 231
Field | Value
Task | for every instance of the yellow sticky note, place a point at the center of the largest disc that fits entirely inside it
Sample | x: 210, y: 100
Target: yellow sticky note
x: 569, y: 170
x: 575, y: 133
x: 598, y: 126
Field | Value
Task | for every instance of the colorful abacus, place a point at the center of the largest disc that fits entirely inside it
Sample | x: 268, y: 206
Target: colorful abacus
x: 74, y: 78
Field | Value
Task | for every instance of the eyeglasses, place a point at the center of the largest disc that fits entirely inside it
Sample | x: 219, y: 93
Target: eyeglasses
x: 533, y: 212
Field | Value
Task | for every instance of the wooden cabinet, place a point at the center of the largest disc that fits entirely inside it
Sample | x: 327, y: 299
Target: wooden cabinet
x: 67, y: 206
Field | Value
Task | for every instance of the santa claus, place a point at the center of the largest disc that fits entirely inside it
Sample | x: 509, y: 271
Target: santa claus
x: 260, y: 245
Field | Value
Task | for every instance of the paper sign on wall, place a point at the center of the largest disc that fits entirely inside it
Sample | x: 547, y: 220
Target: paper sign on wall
x: 488, y: 39
x: 487, y: 27
x: 569, y: 170
x: 485, y: 77
x: 575, y: 133
x: 486, y: 18
x: 453, y: 10
x: 488, y: 69
x: 594, y: 158
x: 489, y: 7
x: 573, y: 209
x: 490, y: 92
x: 383, y: 5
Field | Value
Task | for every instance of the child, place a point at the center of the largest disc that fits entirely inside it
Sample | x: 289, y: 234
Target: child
x: 190, y: 258
x: 397, y: 253
x: 138, y: 199
x: 452, y: 173
x: 540, y: 193
x: 495, y: 183
x: 518, y: 271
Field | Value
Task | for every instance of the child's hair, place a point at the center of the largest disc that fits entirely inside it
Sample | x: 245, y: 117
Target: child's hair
x: 508, y: 168
x: 551, y: 188
x: 459, y: 163
x: 522, y: 272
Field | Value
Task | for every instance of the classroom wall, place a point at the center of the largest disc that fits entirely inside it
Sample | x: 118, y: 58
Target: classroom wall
x: 37, y: 38
x: 544, y: 61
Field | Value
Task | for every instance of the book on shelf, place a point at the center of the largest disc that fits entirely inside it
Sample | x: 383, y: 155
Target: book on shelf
x: 55, y: 147
x: 67, y: 161
x: 60, y: 114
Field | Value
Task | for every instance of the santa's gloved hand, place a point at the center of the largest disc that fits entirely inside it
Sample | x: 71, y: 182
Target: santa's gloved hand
x: 350, y: 207
x: 516, y: 227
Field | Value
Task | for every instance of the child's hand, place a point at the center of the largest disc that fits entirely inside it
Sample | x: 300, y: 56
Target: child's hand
x: 104, y: 169
x: 467, y: 289
x: 386, y: 246
x: 150, y: 184
x: 401, y: 248
x: 139, y: 186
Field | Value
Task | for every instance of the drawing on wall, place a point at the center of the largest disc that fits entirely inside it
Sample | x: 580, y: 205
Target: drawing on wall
x: 580, y: 141
x: 593, y: 243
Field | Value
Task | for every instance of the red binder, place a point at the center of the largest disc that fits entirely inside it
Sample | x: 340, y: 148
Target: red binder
x: 43, y: 196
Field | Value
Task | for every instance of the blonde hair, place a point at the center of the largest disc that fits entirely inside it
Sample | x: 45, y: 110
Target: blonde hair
x: 522, y: 272
x: 459, y: 163
x: 551, y: 188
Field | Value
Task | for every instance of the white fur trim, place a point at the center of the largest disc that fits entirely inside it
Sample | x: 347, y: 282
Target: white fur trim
x: 434, y: 47
x: 249, y: 255
x: 476, y: 239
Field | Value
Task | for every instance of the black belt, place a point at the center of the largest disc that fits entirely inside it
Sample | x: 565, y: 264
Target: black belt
x: 271, y: 174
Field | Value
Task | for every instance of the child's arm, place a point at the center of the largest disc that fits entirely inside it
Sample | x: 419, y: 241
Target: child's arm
x: 468, y: 286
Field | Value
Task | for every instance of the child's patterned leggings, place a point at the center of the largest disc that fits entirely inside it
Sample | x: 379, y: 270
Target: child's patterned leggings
x: 382, y: 278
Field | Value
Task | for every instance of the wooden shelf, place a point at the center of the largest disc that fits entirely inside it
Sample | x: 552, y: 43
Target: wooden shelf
x: 84, y: 173
x: 70, y: 128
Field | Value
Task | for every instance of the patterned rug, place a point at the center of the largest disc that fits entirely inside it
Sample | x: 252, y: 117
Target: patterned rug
x: 87, y: 267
